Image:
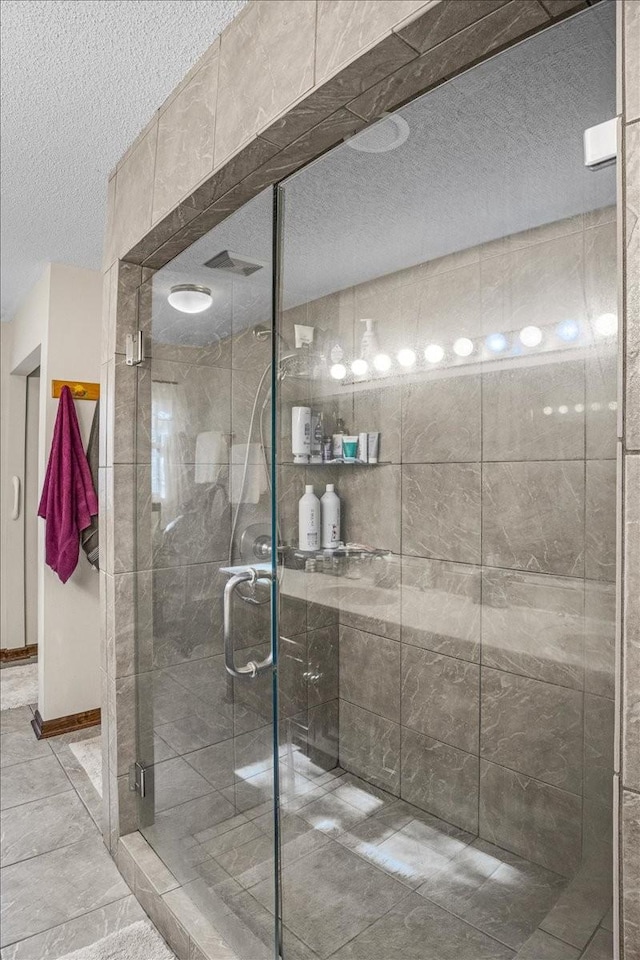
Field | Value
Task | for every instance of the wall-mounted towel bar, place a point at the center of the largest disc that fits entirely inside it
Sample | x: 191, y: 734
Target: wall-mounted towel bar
x: 79, y: 391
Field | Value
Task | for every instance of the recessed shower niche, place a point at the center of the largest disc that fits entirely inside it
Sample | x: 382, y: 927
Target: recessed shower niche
x: 405, y: 740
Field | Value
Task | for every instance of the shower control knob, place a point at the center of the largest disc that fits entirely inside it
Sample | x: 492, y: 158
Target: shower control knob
x: 262, y: 547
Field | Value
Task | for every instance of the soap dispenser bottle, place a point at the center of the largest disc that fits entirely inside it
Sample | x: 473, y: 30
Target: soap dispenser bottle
x: 369, y: 342
x: 330, y: 504
x: 308, y: 520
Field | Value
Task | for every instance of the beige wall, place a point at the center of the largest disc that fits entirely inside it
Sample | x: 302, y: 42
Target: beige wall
x: 58, y: 326
x: 31, y: 500
x: 23, y: 341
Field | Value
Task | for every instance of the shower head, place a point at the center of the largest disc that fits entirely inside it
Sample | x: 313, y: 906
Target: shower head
x: 302, y: 363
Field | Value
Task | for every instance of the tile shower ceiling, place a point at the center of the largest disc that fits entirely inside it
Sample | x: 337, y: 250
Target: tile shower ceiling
x: 484, y: 159
x: 79, y: 81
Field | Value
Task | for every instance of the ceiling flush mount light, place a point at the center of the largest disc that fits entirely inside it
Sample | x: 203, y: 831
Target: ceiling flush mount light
x: 406, y: 357
x: 386, y: 134
x: 338, y: 371
x: 606, y: 324
x: 359, y: 367
x: 190, y: 298
x: 433, y: 353
x: 531, y: 336
x: 382, y: 362
x: 496, y: 342
x: 463, y: 347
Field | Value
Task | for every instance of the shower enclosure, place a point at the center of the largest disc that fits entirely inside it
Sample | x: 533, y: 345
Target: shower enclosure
x: 404, y: 746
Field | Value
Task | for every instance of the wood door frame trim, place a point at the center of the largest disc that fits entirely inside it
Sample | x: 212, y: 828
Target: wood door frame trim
x: 9, y: 654
x: 69, y: 724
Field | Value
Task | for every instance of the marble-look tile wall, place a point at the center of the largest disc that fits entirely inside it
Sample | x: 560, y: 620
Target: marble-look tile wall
x: 436, y: 39
x: 628, y: 782
x: 202, y: 736
x: 283, y: 82
x: 477, y: 661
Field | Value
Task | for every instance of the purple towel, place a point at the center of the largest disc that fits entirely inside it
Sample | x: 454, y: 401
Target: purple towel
x: 68, y: 499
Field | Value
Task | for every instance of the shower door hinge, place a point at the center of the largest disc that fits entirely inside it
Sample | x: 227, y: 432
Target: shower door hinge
x: 134, y: 348
x: 138, y: 778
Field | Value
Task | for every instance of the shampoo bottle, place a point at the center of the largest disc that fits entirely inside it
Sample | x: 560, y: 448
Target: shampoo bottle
x: 301, y: 434
x: 330, y: 518
x: 308, y: 520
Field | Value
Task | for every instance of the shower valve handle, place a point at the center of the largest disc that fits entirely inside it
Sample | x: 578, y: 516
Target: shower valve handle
x: 252, y: 669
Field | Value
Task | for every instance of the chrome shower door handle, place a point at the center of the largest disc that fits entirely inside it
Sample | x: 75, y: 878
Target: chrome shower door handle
x: 252, y: 669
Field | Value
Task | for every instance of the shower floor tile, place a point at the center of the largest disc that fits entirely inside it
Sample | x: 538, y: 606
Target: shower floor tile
x: 363, y: 873
x: 419, y: 849
x: 498, y: 892
x: 331, y: 896
x: 176, y: 783
x: 416, y: 929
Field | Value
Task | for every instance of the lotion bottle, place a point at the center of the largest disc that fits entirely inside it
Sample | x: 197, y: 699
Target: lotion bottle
x: 337, y: 439
x: 308, y: 520
x: 330, y: 518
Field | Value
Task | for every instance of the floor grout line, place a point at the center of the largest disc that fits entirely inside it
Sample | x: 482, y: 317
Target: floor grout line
x: 64, y: 922
x: 94, y: 836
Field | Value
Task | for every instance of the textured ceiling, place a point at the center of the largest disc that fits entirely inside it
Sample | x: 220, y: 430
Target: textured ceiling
x: 80, y: 79
x: 496, y: 151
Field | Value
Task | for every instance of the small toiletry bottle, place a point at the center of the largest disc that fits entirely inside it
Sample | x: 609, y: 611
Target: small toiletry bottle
x: 363, y: 441
x: 337, y: 439
x: 327, y: 449
x: 301, y: 434
x: 330, y: 504
x: 369, y: 342
x: 308, y: 520
x: 316, y: 436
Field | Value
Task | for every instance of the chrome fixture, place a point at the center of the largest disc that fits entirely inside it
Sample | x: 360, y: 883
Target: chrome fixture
x: 134, y: 349
x: 255, y: 543
x: 261, y: 333
x: 254, y: 668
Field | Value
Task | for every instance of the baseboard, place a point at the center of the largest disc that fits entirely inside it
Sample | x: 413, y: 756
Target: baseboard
x: 72, y: 723
x: 7, y: 654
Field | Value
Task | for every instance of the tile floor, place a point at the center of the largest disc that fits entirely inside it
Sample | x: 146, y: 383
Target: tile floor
x: 60, y: 889
x: 363, y: 872
x: 366, y: 876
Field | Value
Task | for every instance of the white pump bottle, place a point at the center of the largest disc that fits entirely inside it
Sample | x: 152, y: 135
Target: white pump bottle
x: 330, y: 518
x: 308, y: 520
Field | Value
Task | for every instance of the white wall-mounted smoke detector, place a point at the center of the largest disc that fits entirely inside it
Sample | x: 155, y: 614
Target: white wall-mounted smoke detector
x: 601, y: 143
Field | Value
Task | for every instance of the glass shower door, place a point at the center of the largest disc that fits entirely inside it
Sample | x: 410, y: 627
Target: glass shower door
x: 449, y: 299
x: 206, y: 652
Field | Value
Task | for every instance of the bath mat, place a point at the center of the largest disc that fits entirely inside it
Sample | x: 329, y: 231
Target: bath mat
x: 88, y: 753
x: 139, y: 941
x: 18, y: 686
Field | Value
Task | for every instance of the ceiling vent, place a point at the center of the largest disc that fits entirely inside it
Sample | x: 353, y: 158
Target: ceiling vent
x: 232, y: 263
